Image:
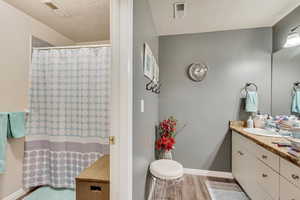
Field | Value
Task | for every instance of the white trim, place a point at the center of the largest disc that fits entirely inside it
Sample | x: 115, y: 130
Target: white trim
x: 17, y: 194
x: 122, y: 78
x: 200, y: 172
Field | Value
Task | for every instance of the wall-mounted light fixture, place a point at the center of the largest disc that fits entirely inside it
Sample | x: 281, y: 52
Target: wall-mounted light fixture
x: 293, y: 38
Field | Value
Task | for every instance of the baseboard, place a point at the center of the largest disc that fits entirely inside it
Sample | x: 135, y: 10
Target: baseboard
x: 17, y: 194
x: 200, y: 172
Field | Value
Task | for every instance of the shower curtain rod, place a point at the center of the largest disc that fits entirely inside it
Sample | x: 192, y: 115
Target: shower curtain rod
x: 73, y: 47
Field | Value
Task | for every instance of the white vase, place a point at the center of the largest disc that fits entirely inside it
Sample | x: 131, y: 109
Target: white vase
x: 166, y: 155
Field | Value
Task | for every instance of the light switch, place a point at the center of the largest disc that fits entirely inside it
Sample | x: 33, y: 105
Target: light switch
x: 142, y: 106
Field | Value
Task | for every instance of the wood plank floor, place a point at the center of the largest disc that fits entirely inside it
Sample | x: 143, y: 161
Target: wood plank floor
x: 199, y: 188
x: 194, y: 187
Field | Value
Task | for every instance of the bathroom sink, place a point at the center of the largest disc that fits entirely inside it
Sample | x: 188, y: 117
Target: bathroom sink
x: 262, y: 132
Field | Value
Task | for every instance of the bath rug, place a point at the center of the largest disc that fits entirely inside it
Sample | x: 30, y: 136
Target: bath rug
x: 48, y: 193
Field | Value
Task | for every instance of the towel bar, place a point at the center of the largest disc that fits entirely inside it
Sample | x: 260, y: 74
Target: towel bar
x: 296, y: 85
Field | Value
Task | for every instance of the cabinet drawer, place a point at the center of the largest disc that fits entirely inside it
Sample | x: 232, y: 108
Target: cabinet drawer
x: 92, y: 191
x: 243, y: 142
x: 267, y: 179
x: 269, y: 158
x: 290, y: 171
x: 288, y: 191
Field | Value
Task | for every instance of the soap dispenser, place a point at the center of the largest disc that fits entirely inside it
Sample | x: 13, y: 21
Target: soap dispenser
x: 250, y: 123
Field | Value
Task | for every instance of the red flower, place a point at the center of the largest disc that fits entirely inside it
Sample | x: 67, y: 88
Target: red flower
x: 164, y: 140
x: 158, y: 144
x: 167, y: 131
x: 166, y: 135
x: 172, y: 140
x: 169, y: 147
x: 165, y: 143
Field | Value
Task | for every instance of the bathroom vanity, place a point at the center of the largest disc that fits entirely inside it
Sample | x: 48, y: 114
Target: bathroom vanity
x: 265, y: 171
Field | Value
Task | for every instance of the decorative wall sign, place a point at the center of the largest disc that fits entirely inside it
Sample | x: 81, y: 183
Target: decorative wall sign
x: 149, y: 62
x: 151, y: 70
x: 197, y: 71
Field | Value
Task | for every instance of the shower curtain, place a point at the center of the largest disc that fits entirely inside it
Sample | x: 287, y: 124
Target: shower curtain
x: 69, y: 124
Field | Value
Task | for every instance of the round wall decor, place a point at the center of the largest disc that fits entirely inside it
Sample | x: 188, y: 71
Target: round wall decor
x: 197, y: 71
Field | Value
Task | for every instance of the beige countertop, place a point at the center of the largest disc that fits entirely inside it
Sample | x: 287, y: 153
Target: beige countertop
x: 265, y: 142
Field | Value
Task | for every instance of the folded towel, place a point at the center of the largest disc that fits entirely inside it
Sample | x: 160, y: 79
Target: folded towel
x: 251, y: 101
x: 3, y: 140
x: 296, y: 102
x: 16, y: 125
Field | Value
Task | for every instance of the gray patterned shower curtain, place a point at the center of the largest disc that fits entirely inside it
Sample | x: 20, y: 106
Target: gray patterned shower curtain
x: 69, y: 123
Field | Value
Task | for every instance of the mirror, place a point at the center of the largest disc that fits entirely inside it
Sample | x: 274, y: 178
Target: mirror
x: 285, y: 72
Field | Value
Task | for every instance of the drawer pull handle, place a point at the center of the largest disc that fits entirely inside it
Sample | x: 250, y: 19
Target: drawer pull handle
x: 95, y: 188
x: 241, y: 153
x: 295, y: 177
x: 264, y: 175
x: 264, y: 156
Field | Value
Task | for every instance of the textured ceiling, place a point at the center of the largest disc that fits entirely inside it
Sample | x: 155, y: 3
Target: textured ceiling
x: 219, y: 15
x: 87, y: 20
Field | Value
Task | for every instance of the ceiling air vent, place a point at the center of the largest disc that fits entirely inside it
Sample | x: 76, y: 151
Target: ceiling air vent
x: 179, y: 10
x: 50, y: 4
x: 56, y: 8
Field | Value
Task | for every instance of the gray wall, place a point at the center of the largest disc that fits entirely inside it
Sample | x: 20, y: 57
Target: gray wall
x: 282, y: 28
x: 233, y: 58
x: 36, y: 43
x: 143, y: 123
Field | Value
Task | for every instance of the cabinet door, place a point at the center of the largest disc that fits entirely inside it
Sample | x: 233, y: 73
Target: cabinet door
x: 244, y: 169
x: 288, y: 191
x: 267, y: 179
x: 243, y: 162
x: 242, y: 165
x: 238, y: 160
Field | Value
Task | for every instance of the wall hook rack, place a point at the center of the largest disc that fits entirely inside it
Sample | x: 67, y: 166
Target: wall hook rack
x: 153, y: 86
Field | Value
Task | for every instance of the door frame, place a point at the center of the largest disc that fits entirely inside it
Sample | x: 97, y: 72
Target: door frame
x: 122, y: 101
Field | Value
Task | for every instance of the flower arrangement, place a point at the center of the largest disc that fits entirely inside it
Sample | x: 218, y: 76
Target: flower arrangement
x: 167, y: 134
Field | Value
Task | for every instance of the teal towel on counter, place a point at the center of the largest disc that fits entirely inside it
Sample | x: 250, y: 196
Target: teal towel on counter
x: 251, y: 101
x: 16, y: 124
x: 3, y: 140
x: 296, y: 102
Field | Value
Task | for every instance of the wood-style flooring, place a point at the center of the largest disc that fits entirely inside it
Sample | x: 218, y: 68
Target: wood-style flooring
x: 200, y: 188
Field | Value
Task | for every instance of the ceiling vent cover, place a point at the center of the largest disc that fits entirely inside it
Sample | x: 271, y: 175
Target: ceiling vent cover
x: 179, y: 10
x: 50, y: 4
x: 57, y: 9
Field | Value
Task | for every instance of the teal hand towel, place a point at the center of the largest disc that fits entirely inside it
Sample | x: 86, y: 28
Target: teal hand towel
x: 16, y: 125
x: 3, y: 140
x: 251, y: 101
x: 296, y: 102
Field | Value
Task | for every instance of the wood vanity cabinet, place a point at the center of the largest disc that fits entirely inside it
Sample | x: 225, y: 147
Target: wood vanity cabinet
x: 262, y: 174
